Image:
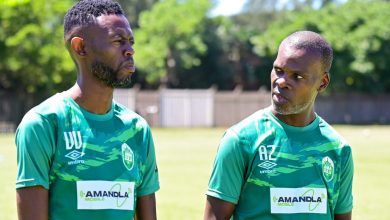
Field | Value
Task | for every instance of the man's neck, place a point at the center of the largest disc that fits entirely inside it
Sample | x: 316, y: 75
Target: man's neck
x: 296, y: 120
x: 94, y: 98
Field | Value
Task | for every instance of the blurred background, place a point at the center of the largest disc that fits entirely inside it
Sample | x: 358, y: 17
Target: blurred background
x: 224, y: 49
x: 203, y: 65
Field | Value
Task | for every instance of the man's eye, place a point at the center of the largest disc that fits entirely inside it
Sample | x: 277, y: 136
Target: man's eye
x: 298, y: 76
x: 277, y: 70
x: 119, y: 41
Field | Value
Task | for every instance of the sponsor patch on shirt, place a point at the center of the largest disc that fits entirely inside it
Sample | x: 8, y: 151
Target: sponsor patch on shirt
x: 105, y: 195
x: 298, y: 200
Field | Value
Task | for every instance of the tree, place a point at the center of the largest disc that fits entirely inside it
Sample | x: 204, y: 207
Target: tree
x: 360, y: 36
x: 134, y: 8
x: 168, y: 37
x: 34, y: 58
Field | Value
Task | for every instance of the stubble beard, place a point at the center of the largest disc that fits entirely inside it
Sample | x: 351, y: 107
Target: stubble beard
x: 108, y: 75
x: 292, y: 109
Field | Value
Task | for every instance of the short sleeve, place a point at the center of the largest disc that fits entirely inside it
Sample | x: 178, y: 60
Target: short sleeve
x: 345, y: 200
x: 34, y: 148
x: 150, y: 182
x: 227, y: 175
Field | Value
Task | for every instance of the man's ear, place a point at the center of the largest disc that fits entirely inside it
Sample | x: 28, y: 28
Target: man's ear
x: 324, y: 82
x: 77, y: 46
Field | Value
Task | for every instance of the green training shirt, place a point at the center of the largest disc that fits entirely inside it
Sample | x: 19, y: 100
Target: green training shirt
x: 94, y: 166
x: 271, y: 170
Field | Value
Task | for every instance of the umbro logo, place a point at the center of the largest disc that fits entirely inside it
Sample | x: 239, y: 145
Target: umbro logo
x: 268, y: 155
x: 74, y: 155
x: 74, y: 142
x: 267, y: 165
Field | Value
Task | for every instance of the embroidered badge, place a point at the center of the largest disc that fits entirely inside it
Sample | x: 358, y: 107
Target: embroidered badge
x: 127, y: 156
x: 327, y: 168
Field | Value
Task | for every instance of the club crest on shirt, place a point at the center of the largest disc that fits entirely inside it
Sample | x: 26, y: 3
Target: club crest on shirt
x: 327, y: 168
x: 127, y: 156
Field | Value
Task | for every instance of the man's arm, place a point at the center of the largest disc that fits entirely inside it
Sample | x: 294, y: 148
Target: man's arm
x: 217, y: 209
x: 346, y: 216
x: 146, y: 207
x: 32, y: 203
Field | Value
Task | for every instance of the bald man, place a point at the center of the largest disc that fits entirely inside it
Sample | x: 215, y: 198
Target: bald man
x: 285, y: 161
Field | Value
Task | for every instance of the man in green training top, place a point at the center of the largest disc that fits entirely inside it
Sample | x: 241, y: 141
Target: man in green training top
x: 81, y: 155
x: 285, y: 161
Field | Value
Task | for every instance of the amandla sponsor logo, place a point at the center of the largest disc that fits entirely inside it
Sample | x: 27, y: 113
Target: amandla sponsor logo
x: 298, y: 200
x: 105, y: 195
x: 101, y: 195
x: 289, y: 201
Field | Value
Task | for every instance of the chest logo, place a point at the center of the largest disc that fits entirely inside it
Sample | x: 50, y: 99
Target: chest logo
x: 74, y: 143
x: 97, y: 194
x: 267, y: 158
x: 73, y: 140
x: 327, y: 168
x: 298, y: 200
x: 127, y: 156
x: 74, y: 155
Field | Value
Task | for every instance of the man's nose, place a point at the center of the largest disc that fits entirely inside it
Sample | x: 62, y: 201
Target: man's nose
x: 282, y: 82
x: 129, y: 51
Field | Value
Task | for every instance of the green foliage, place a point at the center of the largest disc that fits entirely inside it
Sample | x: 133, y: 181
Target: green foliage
x: 215, y: 68
x: 177, y: 44
x: 169, y: 36
x: 359, y: 33
x: 230, y: 60
x: 133, y: 8
x: 31, y: 42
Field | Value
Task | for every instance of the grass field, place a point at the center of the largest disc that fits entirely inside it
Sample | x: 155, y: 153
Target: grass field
x: 185, y: 157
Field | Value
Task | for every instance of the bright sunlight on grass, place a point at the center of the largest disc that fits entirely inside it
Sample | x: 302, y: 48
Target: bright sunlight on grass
x: 185, y: 157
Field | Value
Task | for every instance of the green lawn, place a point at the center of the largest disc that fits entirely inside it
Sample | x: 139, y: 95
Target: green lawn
x: 185, y: 157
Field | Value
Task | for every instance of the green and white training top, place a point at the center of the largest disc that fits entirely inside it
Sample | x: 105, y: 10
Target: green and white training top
x: 94, y: 166
x: 271, y: 170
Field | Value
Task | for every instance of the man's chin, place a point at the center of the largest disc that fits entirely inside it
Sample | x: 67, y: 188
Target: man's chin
x: 125, y: 83
x: 281, y: 110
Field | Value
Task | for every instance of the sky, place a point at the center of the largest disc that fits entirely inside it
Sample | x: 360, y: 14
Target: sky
x: 231, y: 7
x: 228, y: 7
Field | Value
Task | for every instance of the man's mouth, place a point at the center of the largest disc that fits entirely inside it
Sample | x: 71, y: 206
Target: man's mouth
x: 279, y: 98
x: 129, y: 66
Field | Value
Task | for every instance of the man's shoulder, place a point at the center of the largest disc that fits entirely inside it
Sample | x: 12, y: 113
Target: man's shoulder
x: 47, y: 108
x: 129, y: 116
x: 332, y: 135
x: 252, y: 124
x: 51, y: 105
x: 43, y: 115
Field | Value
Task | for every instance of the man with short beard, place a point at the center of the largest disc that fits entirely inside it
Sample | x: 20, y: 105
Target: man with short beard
x: 285, y: 162
x: 81, y: 155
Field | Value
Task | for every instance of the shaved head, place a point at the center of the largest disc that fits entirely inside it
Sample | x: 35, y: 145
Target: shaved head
x: 313, y: 42
x: 85, y: 12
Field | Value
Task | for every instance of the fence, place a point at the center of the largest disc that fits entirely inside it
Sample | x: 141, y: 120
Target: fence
x: 355, y: 108
x: 208, y: 108
x: 212, y: 108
